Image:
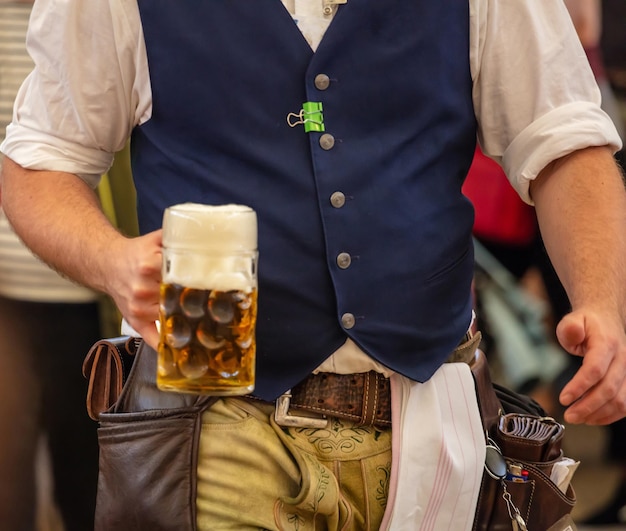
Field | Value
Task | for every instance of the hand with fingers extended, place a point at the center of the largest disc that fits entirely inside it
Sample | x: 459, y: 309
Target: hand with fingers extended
x: 597, y: 392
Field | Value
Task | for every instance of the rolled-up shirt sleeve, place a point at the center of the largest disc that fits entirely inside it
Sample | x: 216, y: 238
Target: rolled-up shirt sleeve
x: 535, y: 95
x: 88, y: 89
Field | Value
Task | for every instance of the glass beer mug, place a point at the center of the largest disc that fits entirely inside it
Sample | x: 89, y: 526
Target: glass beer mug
x: 208, y: 300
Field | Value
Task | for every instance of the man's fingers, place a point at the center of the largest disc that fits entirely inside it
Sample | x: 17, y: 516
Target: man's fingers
x: 149, y: 333
x: 571, y: 333
x: 597, y: 392
x: 610, y: 411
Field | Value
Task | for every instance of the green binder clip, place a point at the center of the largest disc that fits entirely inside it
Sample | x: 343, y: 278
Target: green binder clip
x: 311, y: 116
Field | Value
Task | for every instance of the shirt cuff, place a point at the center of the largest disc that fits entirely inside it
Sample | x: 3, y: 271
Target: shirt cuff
x: 559, y: 132
x: 35, y: 150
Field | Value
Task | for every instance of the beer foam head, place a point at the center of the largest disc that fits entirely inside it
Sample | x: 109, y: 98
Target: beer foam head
x: 210, y: 227
x: 210, y: 246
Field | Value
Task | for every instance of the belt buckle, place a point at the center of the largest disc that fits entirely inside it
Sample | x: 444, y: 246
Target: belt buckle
x: 287, y: 420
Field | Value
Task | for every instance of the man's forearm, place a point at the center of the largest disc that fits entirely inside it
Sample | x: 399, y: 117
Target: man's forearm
x: 581, y: 207
x: 58, y: 216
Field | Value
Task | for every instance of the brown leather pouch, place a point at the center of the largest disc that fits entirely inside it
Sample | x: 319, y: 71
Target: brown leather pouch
x: 147, y: 474
x: 529, y: 441
x: 106, y: 367
x: 530, y: 438
x: 148, y: 445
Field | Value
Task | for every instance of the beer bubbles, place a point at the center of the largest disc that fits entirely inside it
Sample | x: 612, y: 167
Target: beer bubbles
x: 221, y: 307
x: 193, y: 302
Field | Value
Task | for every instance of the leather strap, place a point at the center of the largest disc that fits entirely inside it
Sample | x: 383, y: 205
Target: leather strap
x: 364, y: 398
x: 488, y: 402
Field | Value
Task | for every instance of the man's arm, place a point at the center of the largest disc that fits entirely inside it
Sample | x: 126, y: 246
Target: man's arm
x: 587, y: 18
x: 581, y: 207
x: 59, y: 217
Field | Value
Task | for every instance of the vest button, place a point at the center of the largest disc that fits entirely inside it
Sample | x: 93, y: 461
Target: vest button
x: 344, y: 260
x: 337, y: 199
x: 348, y: 321
x: 327, y: 141
x: 322, y: 81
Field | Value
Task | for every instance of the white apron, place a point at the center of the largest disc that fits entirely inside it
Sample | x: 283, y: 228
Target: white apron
x: 438, y: 452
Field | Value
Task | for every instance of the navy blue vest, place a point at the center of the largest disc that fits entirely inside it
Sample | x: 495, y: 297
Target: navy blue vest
x: 383, y: 190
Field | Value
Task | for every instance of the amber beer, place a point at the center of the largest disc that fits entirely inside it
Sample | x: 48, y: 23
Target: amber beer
x: 208, y: 301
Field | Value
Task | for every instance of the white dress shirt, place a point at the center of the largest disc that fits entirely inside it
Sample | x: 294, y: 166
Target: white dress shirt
x: 534, y: 94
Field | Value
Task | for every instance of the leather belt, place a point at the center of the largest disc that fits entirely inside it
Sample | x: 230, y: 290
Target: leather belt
x: 364, y: 398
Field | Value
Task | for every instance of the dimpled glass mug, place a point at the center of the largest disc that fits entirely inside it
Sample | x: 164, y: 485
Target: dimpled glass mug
x: 208, y: 300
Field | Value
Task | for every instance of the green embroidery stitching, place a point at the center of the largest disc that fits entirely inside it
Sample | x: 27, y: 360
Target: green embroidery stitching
x: 322, y: 486
x: 382, y: 491
x: 296, y: 521
x: 338, y: 436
